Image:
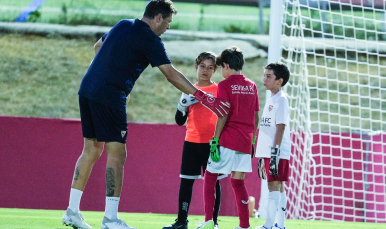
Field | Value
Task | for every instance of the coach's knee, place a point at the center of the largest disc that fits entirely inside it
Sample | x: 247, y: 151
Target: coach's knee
x: 116, y: 153
x: 92, y: 150
x: 91, y: 155
x: 117, y: 159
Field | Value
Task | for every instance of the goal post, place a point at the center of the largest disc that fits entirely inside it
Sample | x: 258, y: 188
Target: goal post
x: 336, y: 52
x: 274, y: 55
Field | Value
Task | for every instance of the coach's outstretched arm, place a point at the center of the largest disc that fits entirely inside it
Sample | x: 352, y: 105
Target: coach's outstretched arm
x: 175, y: 77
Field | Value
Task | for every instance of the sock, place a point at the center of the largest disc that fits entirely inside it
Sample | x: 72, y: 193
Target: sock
x: 184, y: 199
x: 242, y: 200
x: 75, y: 196
x: 217, y: 202
x: 273, y: 202
x: 210, y: 180
x: 282, y: 207
x: 111, y: 210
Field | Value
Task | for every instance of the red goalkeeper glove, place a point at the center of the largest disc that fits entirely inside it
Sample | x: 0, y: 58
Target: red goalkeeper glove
x: 217, y: 106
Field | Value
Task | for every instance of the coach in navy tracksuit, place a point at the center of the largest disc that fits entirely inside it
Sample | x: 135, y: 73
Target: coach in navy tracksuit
x: 122, y: 55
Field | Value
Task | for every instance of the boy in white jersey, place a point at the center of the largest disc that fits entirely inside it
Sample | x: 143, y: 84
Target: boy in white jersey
x: 274, y: 144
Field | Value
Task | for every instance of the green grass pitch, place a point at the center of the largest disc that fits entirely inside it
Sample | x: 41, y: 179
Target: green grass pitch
x: 12, y: 218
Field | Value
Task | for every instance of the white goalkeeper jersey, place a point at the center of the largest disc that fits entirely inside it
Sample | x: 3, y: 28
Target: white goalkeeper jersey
x: 276, y: 111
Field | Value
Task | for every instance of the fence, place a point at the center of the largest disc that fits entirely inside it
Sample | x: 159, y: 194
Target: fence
x: 38, y: 156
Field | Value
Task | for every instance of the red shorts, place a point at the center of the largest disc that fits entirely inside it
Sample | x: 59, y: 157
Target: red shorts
x: 283, y: 170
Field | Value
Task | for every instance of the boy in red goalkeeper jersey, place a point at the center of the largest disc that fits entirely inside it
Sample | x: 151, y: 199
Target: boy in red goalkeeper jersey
x: 231, y: 147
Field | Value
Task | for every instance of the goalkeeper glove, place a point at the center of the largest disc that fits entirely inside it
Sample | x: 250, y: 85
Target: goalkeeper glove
x: 253, y: 147
x: 214, y: 150
x: 274, y: 162
x: 185, y: 101
x: 261, y: 169
x: 217, y: 106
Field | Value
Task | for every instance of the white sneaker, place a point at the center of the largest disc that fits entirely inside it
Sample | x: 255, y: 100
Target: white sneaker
x: 216, y: 226
x: 206, y: 225
x: 276, y: 227
x: 74, y: 220
x: 262, y: 227
x: 114, y: 224
x: 242, y: 227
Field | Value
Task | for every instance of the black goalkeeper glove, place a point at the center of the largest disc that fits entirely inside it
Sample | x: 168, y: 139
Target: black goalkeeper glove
x: 274, y: 162
x: 214, y: 150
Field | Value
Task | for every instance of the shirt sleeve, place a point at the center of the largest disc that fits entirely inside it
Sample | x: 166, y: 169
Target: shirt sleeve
x: 222, y: 92
x: 282, y: 110
x: 155, y: 52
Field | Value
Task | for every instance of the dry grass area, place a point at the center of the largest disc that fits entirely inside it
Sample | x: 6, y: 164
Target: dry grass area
x: 40, y: 77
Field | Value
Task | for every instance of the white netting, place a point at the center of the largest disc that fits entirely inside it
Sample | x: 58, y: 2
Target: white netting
x: 337, y: 92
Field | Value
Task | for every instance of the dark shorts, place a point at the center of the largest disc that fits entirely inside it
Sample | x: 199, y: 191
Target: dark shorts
x: 283, y: 170
x: 194, y: 159
x: 106, y: 124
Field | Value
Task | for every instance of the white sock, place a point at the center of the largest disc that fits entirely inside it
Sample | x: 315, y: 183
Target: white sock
x: 273, y: 202
x: 111, y: 210
x: 75, y: 196
x: 281, y: 209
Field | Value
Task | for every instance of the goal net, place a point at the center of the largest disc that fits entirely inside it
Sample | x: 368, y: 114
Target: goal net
x: 336, y: 52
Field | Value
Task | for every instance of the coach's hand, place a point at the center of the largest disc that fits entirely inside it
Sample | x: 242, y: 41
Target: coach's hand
x: 217, y: 106
x: 274, y: 162
x: 261, y: 169
x: 185, y: 101
x: 214, y: 150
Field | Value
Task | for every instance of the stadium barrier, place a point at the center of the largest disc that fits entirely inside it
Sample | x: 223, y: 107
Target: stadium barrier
x: 38, y: 156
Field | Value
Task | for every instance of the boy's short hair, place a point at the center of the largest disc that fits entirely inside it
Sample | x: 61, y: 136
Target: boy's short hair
x: 232, y: 56
x: 155, y: 7
x: 280, y: 70
x: 206, y: 56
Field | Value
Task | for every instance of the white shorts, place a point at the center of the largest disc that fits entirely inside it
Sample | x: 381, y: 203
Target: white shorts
x: 230, y: 160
